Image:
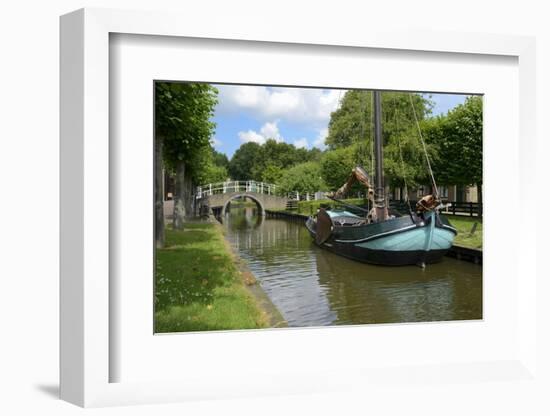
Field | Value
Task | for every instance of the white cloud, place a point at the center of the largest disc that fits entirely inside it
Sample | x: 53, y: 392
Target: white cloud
x: 320, y: 140
x: 301, y: 143
x: 251, y: 136
x: 215, y: 142
x: 269, y: 130
x: 302, y: 105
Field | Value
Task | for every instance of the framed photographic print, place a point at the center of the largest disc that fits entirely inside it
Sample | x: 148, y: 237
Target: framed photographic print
x: 262, y: 197
x: 270, y: 215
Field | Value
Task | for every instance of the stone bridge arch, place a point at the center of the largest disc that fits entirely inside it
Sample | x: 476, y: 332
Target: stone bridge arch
x: 265, y: 202
x: 233, y: 196
x: 217, y: 196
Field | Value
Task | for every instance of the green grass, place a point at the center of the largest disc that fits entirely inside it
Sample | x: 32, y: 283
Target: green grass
x: 464, y: 226
x: 197, y: 285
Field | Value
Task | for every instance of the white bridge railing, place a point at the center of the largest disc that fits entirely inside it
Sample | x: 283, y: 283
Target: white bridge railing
x: 235, y: 186
x: 253, y: 186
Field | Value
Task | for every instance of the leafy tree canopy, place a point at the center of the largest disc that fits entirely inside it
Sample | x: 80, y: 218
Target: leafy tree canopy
x: 220, y: 159
x: 353, y: 121
x: 336, y: 166
x: 204, y: 168
x: 304, y: 177
x: 458, y: 137
x: 183, y: 120
x: 214, y: 173
x: 244, y: 160
x: 272, y: 173
x: 266, y: 162
x: 351, y: 127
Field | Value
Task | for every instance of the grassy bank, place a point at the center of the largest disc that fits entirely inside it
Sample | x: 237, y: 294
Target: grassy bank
x: 464, y: 227
x: 197, y: 285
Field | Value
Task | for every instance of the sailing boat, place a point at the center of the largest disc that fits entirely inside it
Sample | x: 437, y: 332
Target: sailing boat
x: 421, y: 237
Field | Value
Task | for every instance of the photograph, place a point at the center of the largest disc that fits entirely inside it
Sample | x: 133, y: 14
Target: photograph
x: 287, y: 206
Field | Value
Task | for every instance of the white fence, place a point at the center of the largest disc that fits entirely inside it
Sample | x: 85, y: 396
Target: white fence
x: 308, y: 196
x: 236, y: 186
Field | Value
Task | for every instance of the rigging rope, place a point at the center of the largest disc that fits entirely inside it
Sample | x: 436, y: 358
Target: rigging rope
x: 372, y: 141
x: 436, y: 191
x: 361, y: 154
x: 402, y: 163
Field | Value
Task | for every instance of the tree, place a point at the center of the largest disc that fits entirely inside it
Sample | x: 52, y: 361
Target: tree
x: 336, y: 166
x: 204, y: 169
x: 209, y: 166
x: 314, y: 154
x: 159, y: 197
x: 353, y: 122
x: 458, y: 137
x: 214, y: 173
x: 304, y: 177
x: 220, y: 159
x: 275, y: 156
x: 351, y: 127
x: 244, y: 160
x: 405, y: 160
x: 272, y: 173
x: 182, y: 124
x: 266, y: 162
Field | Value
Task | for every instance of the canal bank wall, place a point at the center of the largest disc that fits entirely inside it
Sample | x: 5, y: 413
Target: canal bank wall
x: 273, y: 316
x: 471, y: 255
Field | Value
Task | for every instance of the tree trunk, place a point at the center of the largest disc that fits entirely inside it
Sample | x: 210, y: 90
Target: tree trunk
x: 188, y: 196
x: 479, y: 200
x: 179, y: 197
x: 159, y: 197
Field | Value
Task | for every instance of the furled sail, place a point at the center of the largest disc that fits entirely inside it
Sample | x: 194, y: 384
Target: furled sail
x: 358, y: 174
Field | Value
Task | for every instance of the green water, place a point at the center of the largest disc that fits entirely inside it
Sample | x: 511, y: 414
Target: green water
x: 313, y: 287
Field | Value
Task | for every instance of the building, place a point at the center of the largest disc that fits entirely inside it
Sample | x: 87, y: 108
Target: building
x: 453, y: 193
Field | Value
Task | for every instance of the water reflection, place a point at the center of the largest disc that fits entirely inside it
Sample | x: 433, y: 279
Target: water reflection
x: 313, y: 287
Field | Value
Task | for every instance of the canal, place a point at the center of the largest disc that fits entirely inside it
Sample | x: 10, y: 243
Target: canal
x: 313, y: 287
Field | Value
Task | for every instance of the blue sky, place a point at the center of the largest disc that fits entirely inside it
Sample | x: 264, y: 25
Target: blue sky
x: 298, y: 116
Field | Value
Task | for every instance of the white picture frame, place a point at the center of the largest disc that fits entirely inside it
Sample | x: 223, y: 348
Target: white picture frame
x: 86, y: 265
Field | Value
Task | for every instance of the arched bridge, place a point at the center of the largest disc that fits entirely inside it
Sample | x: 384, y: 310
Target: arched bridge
x: 219, y: 195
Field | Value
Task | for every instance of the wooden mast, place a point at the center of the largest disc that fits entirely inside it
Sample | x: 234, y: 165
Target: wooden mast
x: 379, y: 197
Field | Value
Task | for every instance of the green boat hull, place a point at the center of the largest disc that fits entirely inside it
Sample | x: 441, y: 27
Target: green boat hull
x: 396, y: 242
